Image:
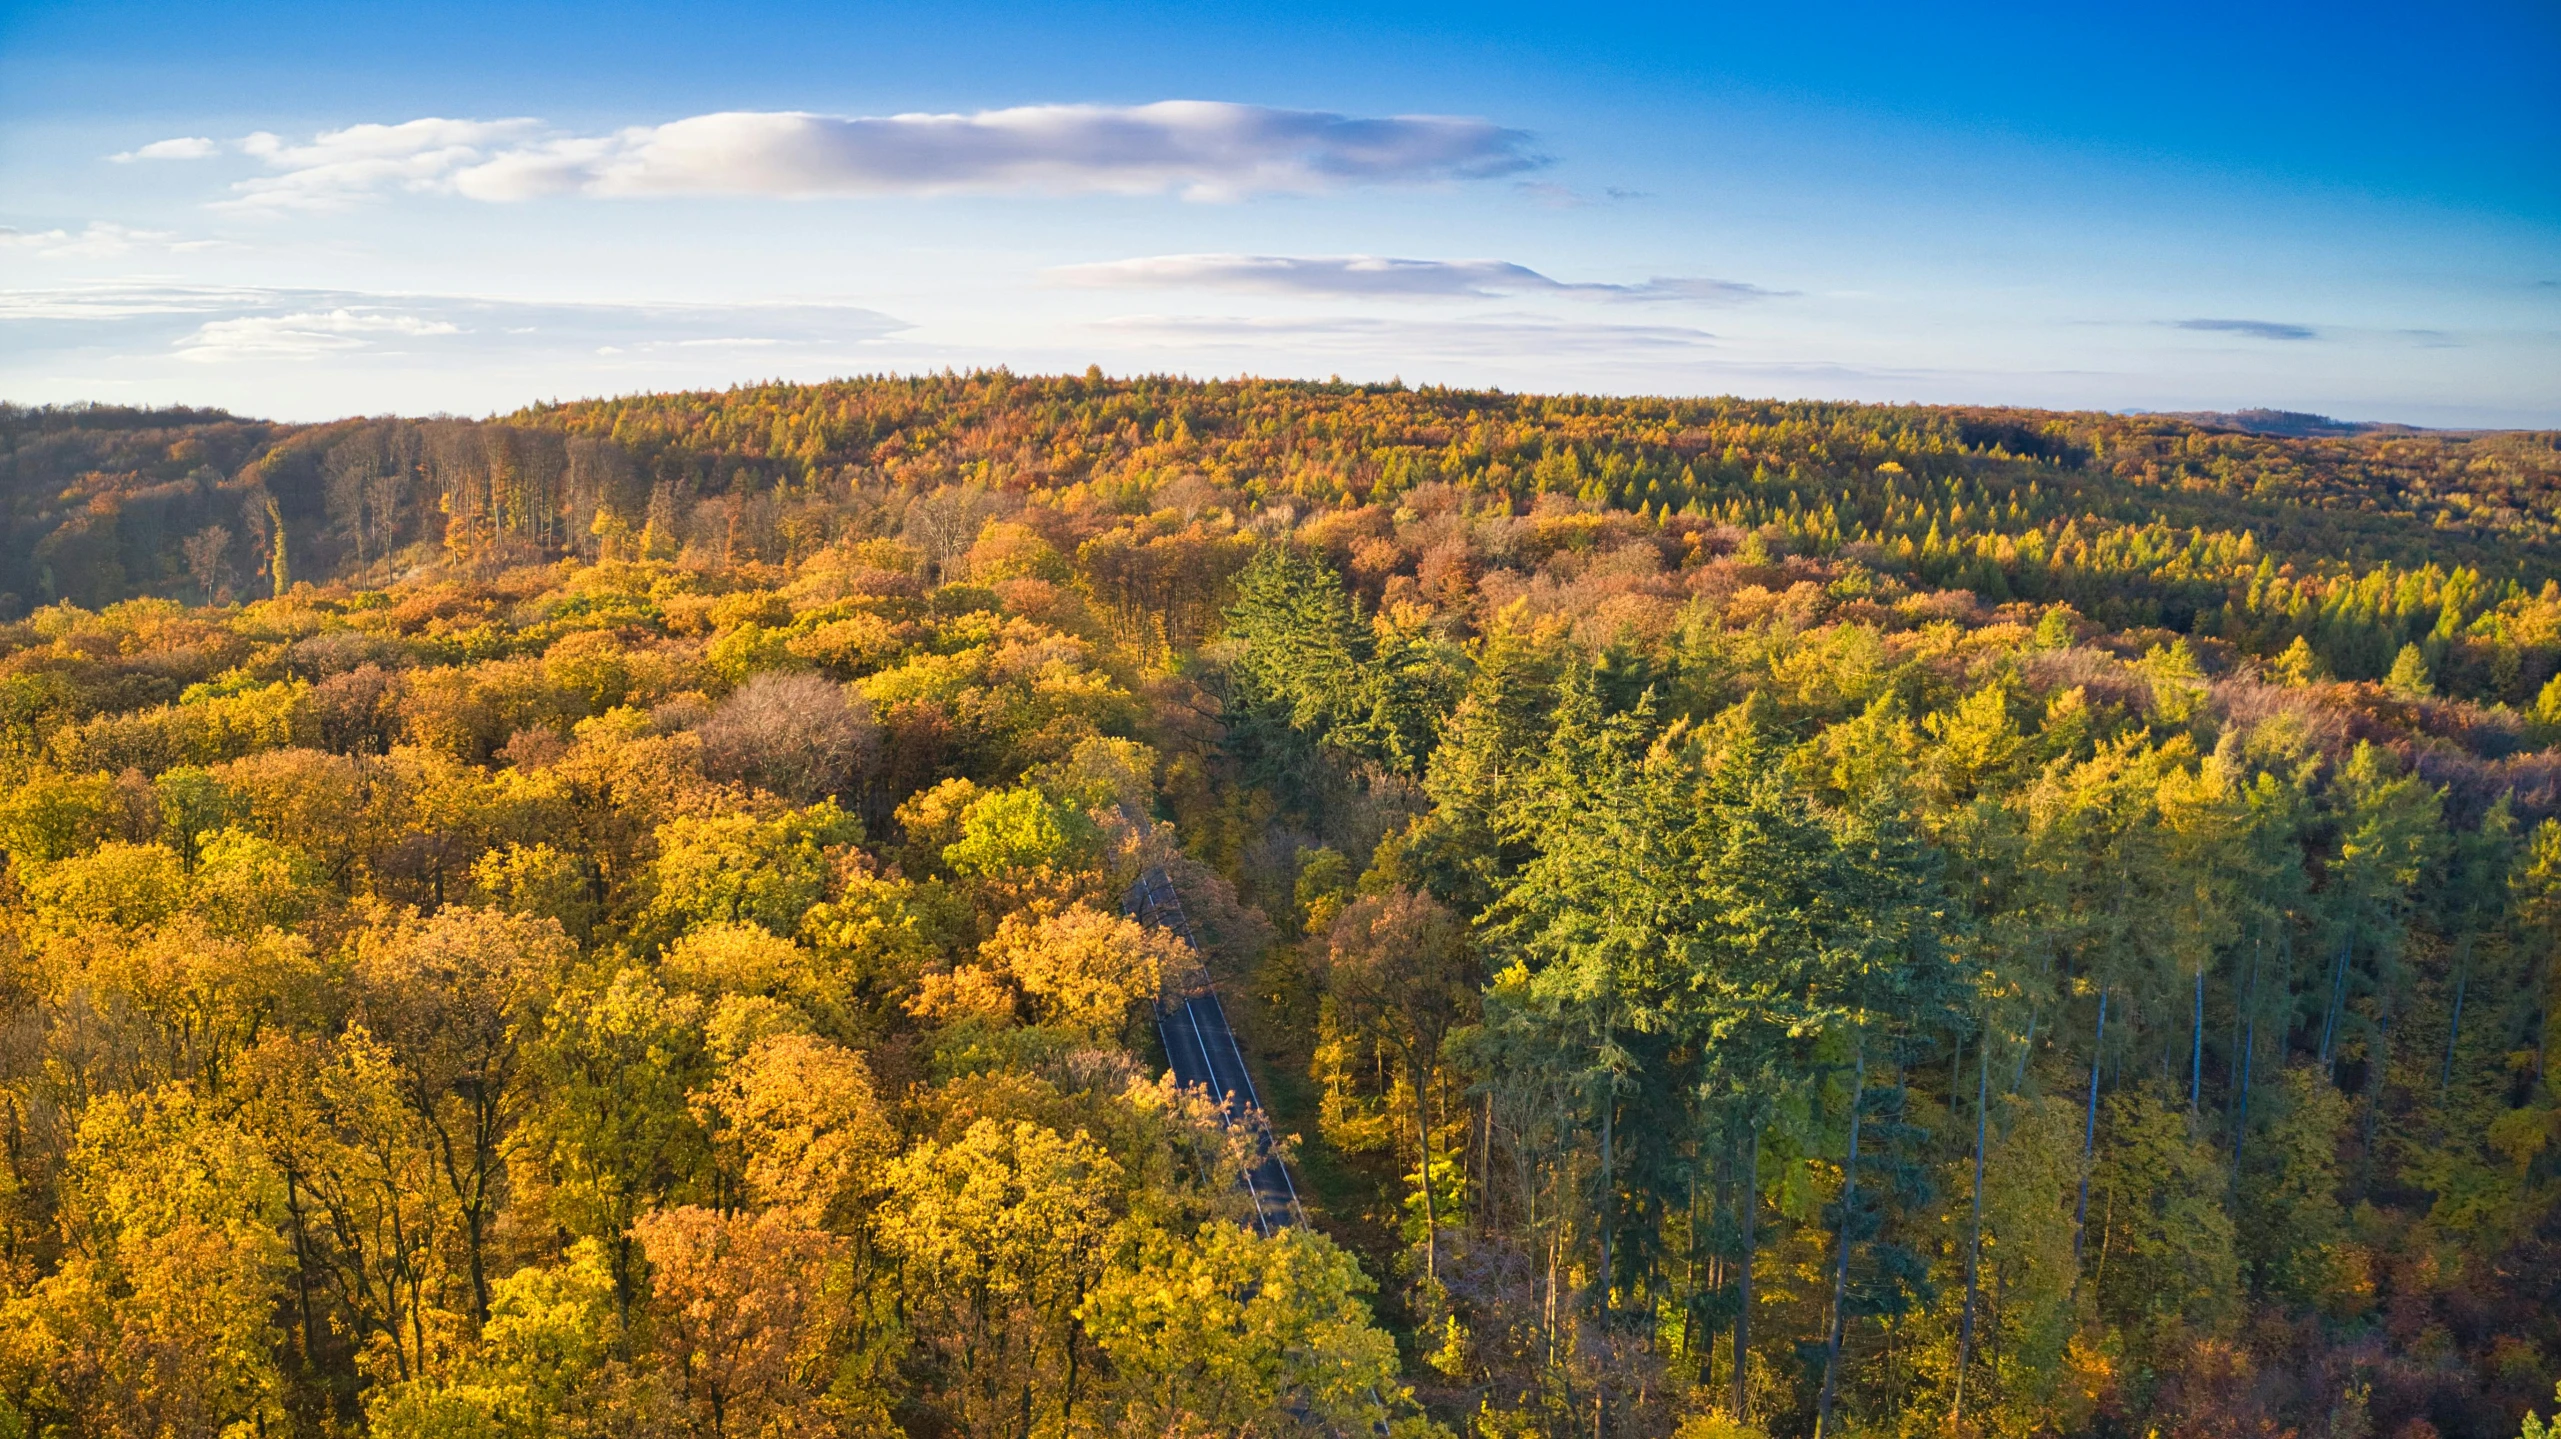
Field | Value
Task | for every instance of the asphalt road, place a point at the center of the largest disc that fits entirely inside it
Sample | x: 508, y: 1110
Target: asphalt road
x: 1204, y: 1054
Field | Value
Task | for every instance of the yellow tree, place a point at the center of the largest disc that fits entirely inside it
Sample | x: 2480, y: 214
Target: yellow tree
x: 1083, y: 969
x: 2204, y: 818
x: 613, y: 1129
x: 370, y: 1212
x: 159, y: 1321
x: 172, y: 1004
x: 553, y: 1362
x: 1229, y: 1332
x: 456, y: 1001
x: 739, y: 868
x: 809, y: 1127
x: 998, y: 1237
x: 734, y: 1316
x: 726, y: 958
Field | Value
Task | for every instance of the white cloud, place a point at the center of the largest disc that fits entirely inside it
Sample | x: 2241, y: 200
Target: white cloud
x: 338, y: 166
x: 185, y: 147
x: 302, y: 336
x: 1197, y: 148
x: 1373, y: 276
x: 101, y: 239
x: 213, y: 324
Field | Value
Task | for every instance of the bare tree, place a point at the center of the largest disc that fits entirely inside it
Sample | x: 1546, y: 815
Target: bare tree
x: 945, y: 523
x: 352, y: 474
x: 599, y: 479
x: 208, y: 553
x: 358, y: 711
x: 796, y: 735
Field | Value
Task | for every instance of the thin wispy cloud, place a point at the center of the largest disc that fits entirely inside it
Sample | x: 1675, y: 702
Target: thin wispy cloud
x: 2254, y: 329
x: 1688, y: 287
x: 1505, y: 337
x: 184, y: 147
x: 1383, y: 277
x: 102, y: 305
x: 100, y: 239
x: 344, y: 352
x: 1199, y: 149
x: 216, y: 324
x: 1565, y: 197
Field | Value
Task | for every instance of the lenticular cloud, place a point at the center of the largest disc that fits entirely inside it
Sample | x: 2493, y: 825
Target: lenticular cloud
x: 1197, y: 148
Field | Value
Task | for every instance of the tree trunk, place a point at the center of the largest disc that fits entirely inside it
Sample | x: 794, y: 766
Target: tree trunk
x: 1841, y: 1268
x: 1608, y: 1190
x: 1423, y: 1132
x: 2089, y: 1140
x: 301, y: 1264
x: 486, y: 1137
x: 1974, y: 1245
x: 2196, y: 1044
x: 2454, y: 1032
x: 2249, y: 1056
x: 2543, y: 1020
x: 1689, y: 1283
x: 2378, y: 1063
x: 2338, y: 1002
x: 1748, y: 1208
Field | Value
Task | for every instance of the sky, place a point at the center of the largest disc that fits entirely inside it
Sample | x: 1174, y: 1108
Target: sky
x: 311, y: 210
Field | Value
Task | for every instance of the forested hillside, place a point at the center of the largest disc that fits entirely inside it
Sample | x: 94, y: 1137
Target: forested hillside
x: 1752, y: 918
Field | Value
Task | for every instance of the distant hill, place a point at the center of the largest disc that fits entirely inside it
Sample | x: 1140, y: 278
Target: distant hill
x: 2293, y: 423
x: 104, y: 503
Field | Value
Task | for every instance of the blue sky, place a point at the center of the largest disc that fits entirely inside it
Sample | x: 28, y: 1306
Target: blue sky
x: 313, y: 210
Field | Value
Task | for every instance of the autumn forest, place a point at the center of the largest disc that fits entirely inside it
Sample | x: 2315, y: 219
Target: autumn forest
x: 1746, y: 920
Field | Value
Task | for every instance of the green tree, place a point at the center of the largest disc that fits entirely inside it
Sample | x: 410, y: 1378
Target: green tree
x: 2163, y: 1262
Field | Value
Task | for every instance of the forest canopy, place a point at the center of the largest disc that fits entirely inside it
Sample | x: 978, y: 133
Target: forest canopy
x: 1749, y: 918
